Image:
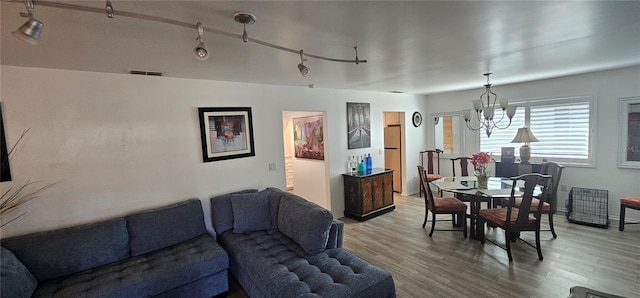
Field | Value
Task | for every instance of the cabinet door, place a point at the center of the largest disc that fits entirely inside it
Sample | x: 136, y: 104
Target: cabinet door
x: 366, y: 185
x: 378, y: 192
x: 388, y: 189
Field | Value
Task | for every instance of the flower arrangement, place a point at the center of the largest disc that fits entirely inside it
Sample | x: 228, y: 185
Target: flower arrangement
x: 479, y: 162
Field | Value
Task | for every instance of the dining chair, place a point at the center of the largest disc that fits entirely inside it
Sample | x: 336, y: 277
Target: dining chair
x: 549, y: 205
x: 430, y: 173
x: 440, y: 205
x: 628, y: 202
x: 514, y: 220
x: 464, y: 165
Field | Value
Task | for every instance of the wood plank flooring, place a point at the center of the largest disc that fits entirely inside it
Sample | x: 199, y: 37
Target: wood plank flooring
x: 448, y: 265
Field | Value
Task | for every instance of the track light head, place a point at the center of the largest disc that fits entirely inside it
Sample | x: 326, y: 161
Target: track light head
x: 29, y: 32
x: 200, y: 51
x: 304, y: 71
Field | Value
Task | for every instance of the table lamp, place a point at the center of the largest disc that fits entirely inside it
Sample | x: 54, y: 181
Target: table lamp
x: 525, y: 136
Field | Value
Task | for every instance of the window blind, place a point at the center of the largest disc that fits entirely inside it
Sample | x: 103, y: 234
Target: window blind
x: 502, y: 137
x: 562, y: 130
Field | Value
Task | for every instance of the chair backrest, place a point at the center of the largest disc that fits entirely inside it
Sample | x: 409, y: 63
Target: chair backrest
x: 464, y: 165
x: 430, y: 162
x: 555, y: 170
x: 428, y: 198
x: 525, y: 209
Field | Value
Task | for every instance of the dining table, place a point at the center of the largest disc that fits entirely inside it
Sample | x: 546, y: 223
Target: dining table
x: 465, y: 188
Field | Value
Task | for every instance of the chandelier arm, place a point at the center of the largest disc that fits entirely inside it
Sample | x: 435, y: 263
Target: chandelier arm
x: 182, y: 24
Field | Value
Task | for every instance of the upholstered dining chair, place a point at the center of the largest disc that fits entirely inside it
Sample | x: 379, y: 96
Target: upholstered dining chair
x: 515, y: 220
x: 440, y: 205
x: 432, y: 173
x: 464, y: 165
x: 549, y: 205
x: 628, y: 202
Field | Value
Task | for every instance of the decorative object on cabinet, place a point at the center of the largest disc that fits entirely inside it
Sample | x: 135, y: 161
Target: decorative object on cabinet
x: 629, y: 133
x: 417, y: 119
x: 508, y: 154
x: 308, y: 137
x: 367, y: 195
x: 226, y: 133
x: 358, y: 125
x: 524, y: 135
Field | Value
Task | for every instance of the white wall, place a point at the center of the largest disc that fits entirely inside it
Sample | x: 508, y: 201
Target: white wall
x: 119, y: 143
x: 608, y: 87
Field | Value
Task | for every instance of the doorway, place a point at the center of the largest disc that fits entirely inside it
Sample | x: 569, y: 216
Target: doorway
x: 306, y: 173
x: 394, y: 147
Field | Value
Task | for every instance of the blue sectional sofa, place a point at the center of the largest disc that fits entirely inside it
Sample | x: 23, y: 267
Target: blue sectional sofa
x: 281, y: 245
x: 163, y: 252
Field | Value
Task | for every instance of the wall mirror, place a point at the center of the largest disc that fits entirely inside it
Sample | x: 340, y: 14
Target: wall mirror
x: 448, y: 134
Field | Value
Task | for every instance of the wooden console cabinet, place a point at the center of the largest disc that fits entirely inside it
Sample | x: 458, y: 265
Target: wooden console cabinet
x: 367, y: 195
x: 511, y: 169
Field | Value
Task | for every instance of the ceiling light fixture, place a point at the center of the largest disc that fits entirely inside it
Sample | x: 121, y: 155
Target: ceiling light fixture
x: 34, y: 27
x: 30, y: 31
x: 304, y: 71
x: 245, y: 19
x: 485, y: 112
x: 200, y: 50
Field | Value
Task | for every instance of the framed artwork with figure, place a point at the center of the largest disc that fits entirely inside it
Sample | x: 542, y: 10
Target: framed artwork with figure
x: 358, y: 125
x: 226, y: 133
x: 308, y: 137
x: 629, y: 133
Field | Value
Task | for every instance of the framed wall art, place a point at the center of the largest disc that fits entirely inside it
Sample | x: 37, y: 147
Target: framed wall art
x: 358, y: 125
x: 308, y: 137
x: 629, y: 133
x: 226, y: 133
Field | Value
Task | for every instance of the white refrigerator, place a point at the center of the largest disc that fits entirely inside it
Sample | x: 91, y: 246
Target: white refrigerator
x: 393, y: 155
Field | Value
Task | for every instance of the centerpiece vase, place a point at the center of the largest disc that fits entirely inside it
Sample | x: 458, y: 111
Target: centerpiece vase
x: 483, y: 179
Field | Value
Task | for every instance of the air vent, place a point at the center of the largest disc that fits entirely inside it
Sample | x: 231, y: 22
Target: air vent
x: 146, y: 73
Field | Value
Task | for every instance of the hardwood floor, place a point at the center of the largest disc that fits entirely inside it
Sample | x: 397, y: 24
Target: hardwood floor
x: 448, y: 265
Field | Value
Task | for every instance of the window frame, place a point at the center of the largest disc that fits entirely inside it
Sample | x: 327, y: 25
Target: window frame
x: 590, y: 99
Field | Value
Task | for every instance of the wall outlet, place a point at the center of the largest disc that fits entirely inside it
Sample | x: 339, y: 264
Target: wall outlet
x: 563, y: 187
x: 272, y: 166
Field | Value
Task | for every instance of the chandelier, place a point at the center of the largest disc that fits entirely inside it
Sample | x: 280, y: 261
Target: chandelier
x: 484, y: 111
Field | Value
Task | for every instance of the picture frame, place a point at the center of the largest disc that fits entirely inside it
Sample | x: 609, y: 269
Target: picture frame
x: 308, y: 137
x: 358, y: 125
x: 629, y: 133
x: 508, y: 154
x: 226, y: 133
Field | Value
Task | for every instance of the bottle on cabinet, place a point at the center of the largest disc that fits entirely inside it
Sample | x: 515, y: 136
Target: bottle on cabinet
x: 368, y: 163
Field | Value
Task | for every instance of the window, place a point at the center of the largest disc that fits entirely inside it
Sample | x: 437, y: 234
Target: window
x: 562, y: 126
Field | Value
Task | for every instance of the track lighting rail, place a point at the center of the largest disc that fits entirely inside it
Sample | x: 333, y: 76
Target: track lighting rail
x: 128, y: 14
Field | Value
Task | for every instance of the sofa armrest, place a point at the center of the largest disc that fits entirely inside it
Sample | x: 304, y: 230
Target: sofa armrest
x: 335, y: 234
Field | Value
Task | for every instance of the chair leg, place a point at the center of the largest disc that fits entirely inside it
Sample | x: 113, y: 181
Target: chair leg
x: 507, y: 236
x: 454, y: 217
x: 553, y: 231
x: 433, y: 223
x: 479, y: 222
x: 464, y: 224
x: 621, y: 225
x: 538, y: 248
x: 426, y: 216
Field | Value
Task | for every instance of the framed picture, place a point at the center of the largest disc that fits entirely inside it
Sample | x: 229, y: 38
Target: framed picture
x: 308, y: 137
x: 629, y: 133
x: 4, y: 153
x: 226, y: 133
x: 508, y: 154
x: 358, y: 125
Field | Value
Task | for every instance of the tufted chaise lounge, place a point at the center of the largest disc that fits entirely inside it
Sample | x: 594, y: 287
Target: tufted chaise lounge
x: 291, y: 248
x: 163, y: 252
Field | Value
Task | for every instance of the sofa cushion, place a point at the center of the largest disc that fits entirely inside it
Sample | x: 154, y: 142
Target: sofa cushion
x: 56, y: 253
x: 305, y: 222
x: 222, y: 211
x: 145, y: 275
x: 251, y: 212
x: 279, y: 267
x: 17, y: 281
x: 158, y: 228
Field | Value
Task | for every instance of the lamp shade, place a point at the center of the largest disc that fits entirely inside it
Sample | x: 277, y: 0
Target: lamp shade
x: 30, y: 31
x: 524, y: 135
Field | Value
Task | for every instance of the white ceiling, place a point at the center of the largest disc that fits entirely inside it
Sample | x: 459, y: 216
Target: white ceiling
x: 418, y: 47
